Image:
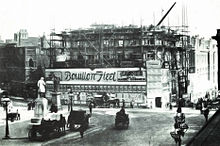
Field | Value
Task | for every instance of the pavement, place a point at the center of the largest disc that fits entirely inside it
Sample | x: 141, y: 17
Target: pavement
x: 22, y: 109
x: 209, y: 134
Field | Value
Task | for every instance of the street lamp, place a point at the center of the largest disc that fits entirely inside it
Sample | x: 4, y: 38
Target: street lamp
x: 6, y: 100
x: 71, y: 102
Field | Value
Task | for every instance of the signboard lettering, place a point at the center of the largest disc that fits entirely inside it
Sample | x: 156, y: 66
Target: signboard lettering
x: 88, y: 76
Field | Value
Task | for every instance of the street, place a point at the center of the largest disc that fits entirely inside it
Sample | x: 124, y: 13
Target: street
x: 147, y: 127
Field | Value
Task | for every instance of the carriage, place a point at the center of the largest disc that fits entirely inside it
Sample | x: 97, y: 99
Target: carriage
x: 121, y: 120
x: 78, y: 118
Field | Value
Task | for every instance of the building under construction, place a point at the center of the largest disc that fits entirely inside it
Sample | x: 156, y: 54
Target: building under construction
x: 103, y: 47
x: 111, y: 46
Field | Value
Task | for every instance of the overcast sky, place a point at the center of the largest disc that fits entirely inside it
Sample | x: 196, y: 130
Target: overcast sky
x: 39, y: 16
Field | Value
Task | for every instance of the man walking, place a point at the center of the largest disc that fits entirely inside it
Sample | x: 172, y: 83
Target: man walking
x: 82, y: 129
x: 123, y: 103
x: 206, y: 113
x: 90, y: 107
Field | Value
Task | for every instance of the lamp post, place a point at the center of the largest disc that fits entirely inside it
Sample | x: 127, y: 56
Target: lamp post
x: 71, y: 102
x: 70, y: 92
x: 6, y: 100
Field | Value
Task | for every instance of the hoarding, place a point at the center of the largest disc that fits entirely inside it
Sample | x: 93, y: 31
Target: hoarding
x: 97, y: 75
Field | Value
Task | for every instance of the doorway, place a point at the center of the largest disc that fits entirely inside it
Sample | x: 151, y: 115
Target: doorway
x: 158, y: 101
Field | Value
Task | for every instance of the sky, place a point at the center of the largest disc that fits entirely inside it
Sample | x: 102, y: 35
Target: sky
x: 41, y: 16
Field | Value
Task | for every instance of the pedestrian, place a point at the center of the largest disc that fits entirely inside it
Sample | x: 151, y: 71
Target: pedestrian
x: 29, y: 105
x: 33, y: 104
x: 123, y: 103
x: 70, y: 95
x: 53, y: 108
x: 131, y: 103
x: 18, y: 117
x: 118, y: 103
x: 62, y: 123
x: 179, y: 109
x: 206, y: 113
x: 170, y: 105
x: 90, y: 107
x: 41, y: 87
x: 82, y: 129
x: 200, y: 101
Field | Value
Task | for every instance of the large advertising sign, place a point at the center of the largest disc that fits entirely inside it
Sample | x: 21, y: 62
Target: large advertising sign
x: 98, y: 75
x: 128, y: 75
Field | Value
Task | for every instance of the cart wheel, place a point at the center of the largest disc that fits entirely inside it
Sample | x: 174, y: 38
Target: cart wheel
x: 32, y: 134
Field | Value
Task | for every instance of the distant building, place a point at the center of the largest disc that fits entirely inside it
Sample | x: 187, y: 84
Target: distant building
x: 22, y: 39
x: 19, y: 62
x: 203, y: 68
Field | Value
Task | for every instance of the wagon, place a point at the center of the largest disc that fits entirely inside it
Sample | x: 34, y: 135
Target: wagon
x: 121, y: 121
x: 78, y: 118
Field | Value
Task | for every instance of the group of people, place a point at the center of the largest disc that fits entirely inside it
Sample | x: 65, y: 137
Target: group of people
x: 180, y: 126
x: 204, y: 106
x: 31, y: 105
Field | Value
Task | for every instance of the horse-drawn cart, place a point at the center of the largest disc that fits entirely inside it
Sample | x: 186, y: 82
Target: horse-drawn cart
x: 121, y: 120
x: 46, y: 127
x: 78, y: 118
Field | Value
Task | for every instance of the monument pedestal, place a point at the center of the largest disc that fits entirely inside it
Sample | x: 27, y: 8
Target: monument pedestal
x: 56, y: 99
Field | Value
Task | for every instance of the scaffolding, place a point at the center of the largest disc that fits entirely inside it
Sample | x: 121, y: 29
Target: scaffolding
x: 111, y: 46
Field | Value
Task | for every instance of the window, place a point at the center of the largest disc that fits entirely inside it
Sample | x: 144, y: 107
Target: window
x: 117, y: 88
x: 82, y: 87
x: 134, y: 88
x: 120, y: 43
